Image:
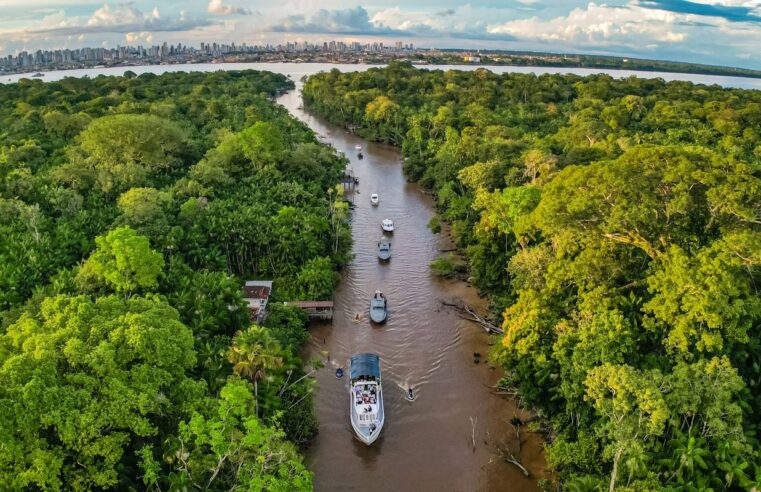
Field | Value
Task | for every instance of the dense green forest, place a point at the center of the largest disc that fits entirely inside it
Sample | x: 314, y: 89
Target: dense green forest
x: 131, y: 210
x: 617, y: 226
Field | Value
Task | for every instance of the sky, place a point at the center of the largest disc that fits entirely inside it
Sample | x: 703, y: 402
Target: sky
x: 720, y: 32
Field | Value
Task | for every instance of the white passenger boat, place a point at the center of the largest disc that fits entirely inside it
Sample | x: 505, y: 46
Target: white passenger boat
x: 366, y: 400
x: 374, y: 199
x: 357, y: 147
x: 387, y: 225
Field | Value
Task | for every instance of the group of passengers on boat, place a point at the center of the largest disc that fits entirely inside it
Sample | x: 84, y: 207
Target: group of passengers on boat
x: 365, y: 395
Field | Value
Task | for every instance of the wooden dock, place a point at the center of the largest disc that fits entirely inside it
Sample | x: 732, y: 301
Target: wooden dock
x: 319, y: 310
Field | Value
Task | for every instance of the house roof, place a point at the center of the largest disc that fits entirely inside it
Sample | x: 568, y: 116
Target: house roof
x: 257, y: 289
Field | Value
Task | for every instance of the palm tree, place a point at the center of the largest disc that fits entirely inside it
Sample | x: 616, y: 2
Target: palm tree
x: 734, y: 470
x: 585, y: 483
x: 253, y: 353
x: 690, y: 452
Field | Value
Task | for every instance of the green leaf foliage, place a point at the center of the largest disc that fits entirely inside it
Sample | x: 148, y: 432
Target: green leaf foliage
x: 131, y: 211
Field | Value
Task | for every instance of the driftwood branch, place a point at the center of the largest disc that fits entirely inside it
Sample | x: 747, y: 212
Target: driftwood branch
x: 473, y: 432
x: 507, y: 455
x: 511, y: 459
x: 466, y: 312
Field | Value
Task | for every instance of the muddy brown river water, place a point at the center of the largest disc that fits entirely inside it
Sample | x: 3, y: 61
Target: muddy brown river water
x: 425, y: 445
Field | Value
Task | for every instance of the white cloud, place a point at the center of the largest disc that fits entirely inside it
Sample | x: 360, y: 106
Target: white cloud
x: 122, y: 18
x: 219, y: 8
x: 599, y: 24
x: 121, y: 14
x: 133, y: 37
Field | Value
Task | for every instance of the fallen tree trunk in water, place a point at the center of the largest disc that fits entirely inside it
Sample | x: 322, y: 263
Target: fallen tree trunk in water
x: 466, y: 312
x: 511, y: 459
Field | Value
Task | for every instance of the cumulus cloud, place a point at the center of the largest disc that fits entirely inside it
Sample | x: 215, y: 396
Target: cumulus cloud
x: 450, y: 23
x: 733, y: 11
x: 600, y: 25
x: 133, y: 37
x: 122, y: 18
x: 343, y: 21
x: 219, y: 8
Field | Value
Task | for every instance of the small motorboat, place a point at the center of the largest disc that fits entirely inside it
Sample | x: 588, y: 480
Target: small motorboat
x: 378, y: 305
x: 366, y: 400
x: 357, y: 147
x: 410, y: 396
x: 360, y: 156
x: 387, y: 225
x: 374, y: 199
x: 340, y: 372
x: 384, y: 249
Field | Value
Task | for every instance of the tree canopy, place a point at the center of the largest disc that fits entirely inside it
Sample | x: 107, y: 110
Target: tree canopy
x: 131, y: 211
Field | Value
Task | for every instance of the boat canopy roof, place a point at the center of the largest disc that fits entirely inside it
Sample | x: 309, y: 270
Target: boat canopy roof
x: 366, y: 364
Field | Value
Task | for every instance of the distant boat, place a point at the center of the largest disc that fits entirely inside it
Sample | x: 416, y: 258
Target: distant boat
x: 378, y: 312
x: 339, y: 372
x: 38, y: 74
x: 357, y: 147
x: 384, y: 249
x: 387, y: 225
x: 360, y: 156
x: 366, y: 400
x: 374, y: 199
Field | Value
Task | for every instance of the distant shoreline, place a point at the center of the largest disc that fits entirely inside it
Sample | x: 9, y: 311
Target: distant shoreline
x: 433, y: 58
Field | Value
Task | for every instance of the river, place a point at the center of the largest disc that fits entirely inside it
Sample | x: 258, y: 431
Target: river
x: 426, y: 444
x: 297, y: 70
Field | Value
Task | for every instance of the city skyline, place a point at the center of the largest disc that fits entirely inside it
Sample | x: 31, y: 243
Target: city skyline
x: 724, y: 32
x: 126, y: 54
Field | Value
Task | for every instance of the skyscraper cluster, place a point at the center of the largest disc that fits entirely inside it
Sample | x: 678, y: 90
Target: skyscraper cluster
x: 62, y: 58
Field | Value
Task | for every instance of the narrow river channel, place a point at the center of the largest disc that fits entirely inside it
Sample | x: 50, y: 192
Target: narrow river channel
x: 425, y: 445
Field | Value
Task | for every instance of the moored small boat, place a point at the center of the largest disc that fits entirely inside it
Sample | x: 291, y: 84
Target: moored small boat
x: 387, y: 225
x: 378, y: 305
x: 384, y: 249
x: 366, y: 400
x: 357, y: 147
x: 374, y: 199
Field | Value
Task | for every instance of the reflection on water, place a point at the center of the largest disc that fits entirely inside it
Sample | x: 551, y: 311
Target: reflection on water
x: 425, y: 444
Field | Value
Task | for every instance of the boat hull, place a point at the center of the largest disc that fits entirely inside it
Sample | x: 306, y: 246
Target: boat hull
x: 384, y: 250
x: 378, y: 316
x: 364, y: 436
x: 365, y: 373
